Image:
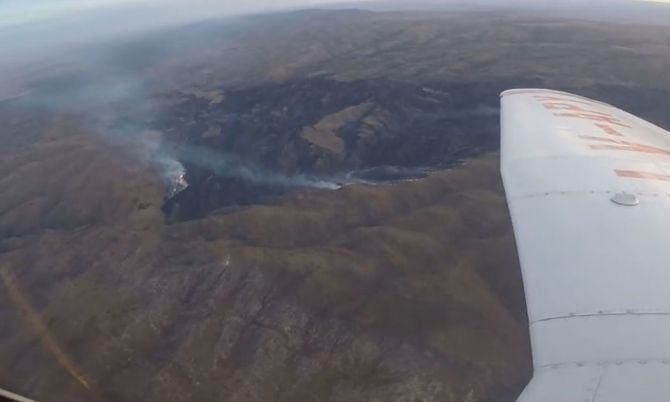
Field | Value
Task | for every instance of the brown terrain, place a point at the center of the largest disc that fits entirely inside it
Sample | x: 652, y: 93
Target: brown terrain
x: 254, y: 284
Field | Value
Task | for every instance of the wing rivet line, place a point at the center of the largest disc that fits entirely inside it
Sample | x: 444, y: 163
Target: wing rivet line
x: 604, y: 363
x: 582, y: 193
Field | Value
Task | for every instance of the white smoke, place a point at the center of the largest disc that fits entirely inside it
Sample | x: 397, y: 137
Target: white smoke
x: 227, y: 165
x: 149, y: 147
x: 231, y: 166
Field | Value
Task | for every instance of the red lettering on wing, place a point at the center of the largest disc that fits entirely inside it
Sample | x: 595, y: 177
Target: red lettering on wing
x: 618, y: 145
x: 569, y: 107
x: 563, y: 98
x: 609, y: 130
x: 593, y: 117
x: 634, y: 174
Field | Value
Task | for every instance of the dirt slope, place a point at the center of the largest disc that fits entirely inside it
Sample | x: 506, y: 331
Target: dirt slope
x: 398, y: 292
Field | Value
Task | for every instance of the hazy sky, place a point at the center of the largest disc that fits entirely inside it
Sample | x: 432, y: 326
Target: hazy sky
x: 16, y: 13
x: 31, y: 29
x: 38, y: 30
x: 21, y: 12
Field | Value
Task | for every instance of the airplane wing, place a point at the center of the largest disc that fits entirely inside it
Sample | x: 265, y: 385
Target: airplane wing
x: 588, y: 188
x: 6, y: 396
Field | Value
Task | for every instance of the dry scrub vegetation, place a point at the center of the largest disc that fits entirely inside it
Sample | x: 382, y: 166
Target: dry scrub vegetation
x: 368, y: 293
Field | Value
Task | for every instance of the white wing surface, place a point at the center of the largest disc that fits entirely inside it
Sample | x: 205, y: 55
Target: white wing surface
x: 588, y: 188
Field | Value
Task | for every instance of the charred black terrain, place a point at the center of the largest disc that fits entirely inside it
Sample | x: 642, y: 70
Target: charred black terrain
x: 322, y: 126
x: 305, y: 132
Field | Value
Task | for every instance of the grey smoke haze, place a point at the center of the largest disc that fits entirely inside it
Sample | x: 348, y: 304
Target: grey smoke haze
x: 89, y: 57
x: 37, y: 34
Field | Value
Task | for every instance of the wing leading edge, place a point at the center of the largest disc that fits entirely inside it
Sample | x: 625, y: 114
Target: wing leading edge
x: 588, y: 188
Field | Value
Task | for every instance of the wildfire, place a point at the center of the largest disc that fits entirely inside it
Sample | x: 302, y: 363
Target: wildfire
x: 178, y: 184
